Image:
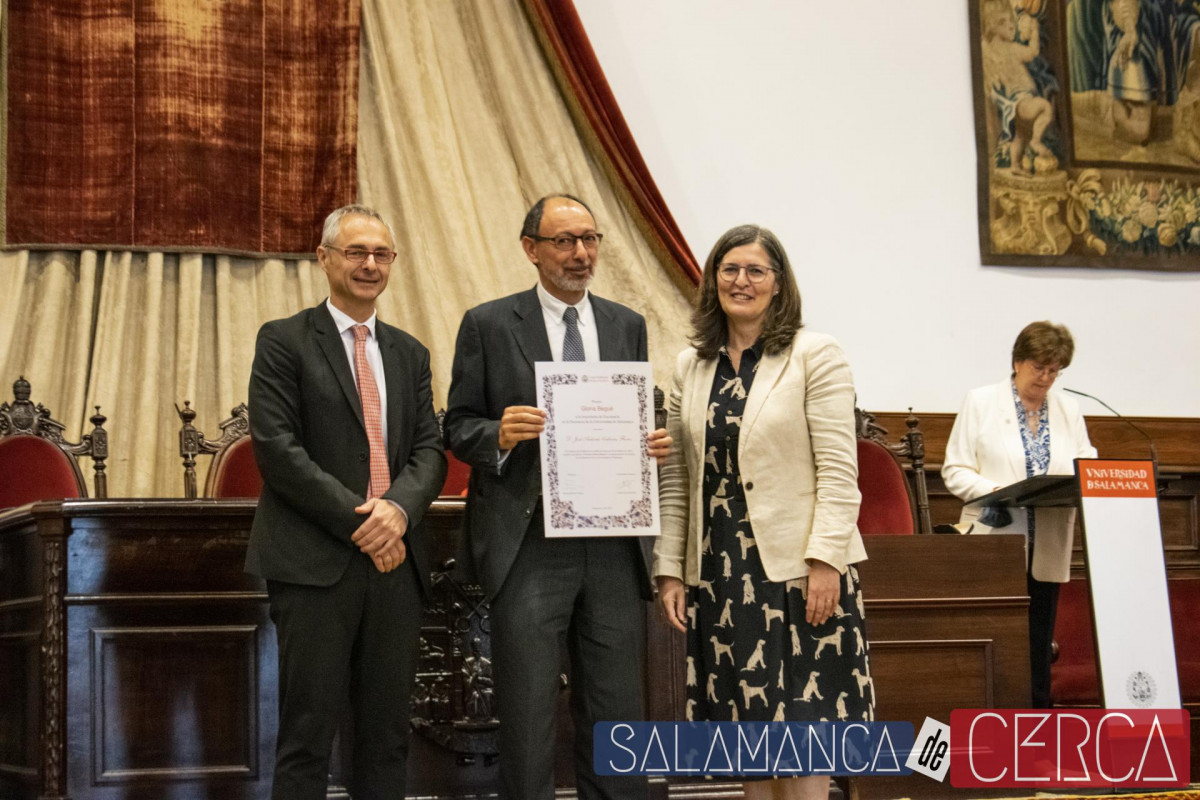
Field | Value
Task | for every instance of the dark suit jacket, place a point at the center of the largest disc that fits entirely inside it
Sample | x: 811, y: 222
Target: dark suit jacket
x: 311, y: 445
x: 497, y: 346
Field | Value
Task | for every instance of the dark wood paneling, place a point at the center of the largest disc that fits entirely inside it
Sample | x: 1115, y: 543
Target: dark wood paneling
x: 20, y: 658
x: 148, y: 665
x: 971, y: 661
x: 176, y: 702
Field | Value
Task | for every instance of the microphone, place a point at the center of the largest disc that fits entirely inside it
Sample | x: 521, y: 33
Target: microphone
x: 1146, y: 436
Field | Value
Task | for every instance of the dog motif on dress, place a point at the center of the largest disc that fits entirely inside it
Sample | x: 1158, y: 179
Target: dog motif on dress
x: 718, y: 650
x: 747, y: 589
x: 834, y: 639
x: 864, y: 683
x: 772, y: 613
x: 810, y: 689
x: 720, y: 500
x: 750, y: 692
x: 746, y: 542
x: 756, y: 659
x: 726, y: 620
x: 734, y: 387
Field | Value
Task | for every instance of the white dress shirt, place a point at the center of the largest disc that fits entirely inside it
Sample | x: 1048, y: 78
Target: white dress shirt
x: 552, y: 312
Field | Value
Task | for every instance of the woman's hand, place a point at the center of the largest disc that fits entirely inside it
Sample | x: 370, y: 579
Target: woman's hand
x: 672, y: 598
x: 824, y: 589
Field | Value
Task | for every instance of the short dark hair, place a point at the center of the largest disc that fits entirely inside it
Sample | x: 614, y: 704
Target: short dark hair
x: 709, y: 331
x: 533, y: 218
x: 1044, y: 342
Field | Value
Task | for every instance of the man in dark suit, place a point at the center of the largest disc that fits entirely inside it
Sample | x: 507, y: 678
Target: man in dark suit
x: 341, y: 415
x: 587, y: 592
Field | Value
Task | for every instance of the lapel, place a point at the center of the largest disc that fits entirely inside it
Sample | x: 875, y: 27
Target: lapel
x: 393, y: 378
x: 330, y: 342
x: 612, y: 346
x: 696, y: 406
x: 530, y: 330
x: 1062, y: 449
x: 770, y: 367
x: 1012, y: 432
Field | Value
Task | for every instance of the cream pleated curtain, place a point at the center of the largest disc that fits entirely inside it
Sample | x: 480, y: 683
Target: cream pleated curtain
x: 461, y: 127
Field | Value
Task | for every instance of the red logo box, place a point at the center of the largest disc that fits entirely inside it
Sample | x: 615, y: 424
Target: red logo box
x: 1069, y: 748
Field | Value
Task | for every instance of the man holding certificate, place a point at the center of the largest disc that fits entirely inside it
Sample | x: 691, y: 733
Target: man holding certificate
x: 587, y: 589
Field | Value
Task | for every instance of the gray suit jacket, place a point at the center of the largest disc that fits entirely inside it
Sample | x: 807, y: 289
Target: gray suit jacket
x: 311, y: 446
x: 498, y: 343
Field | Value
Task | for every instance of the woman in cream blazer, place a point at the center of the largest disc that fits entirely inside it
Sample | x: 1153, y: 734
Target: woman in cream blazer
x: 987, y: 451
x: 798, y: 456
x: 759, y: 501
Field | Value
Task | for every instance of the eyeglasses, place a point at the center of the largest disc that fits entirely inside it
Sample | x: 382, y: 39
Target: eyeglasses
x: 1051, y: 371
x: 358, y: 255
x: 754, y: 272
x: 566, y: 241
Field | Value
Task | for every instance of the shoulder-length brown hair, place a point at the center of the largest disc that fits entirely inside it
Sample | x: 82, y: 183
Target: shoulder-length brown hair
x: 709, y: 329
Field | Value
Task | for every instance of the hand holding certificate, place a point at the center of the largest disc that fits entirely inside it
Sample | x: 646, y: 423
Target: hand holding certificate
x: 597, y: 478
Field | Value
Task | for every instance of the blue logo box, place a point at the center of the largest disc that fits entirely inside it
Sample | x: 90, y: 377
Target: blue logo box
x: 752, y: 748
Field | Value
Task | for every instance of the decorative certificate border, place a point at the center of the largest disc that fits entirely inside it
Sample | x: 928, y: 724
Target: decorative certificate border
x: 563, y: 515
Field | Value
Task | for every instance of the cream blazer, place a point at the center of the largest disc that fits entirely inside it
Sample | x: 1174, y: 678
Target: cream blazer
x: 797, y: 454
x: 985, y: 452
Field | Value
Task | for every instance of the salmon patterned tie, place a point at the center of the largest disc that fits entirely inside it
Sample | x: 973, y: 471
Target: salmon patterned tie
x: 368, y: 393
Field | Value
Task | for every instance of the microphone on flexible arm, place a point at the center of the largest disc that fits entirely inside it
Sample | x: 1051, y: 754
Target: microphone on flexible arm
x: 1144, y: 435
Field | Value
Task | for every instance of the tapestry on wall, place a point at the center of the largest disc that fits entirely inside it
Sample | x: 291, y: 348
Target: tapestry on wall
x: 1087, y: 122
x: 169, y: 125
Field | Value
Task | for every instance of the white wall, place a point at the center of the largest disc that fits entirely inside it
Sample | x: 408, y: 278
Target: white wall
x: 847, y: 128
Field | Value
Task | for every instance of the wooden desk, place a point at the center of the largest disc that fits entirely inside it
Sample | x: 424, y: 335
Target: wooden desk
x: 137, y: 657
x: 948, y: 626
x: 137, y: 660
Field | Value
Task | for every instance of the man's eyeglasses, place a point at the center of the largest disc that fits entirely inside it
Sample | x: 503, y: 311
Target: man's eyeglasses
x: 358, y: 255
x: 566, y: 241
x: 754, y: 273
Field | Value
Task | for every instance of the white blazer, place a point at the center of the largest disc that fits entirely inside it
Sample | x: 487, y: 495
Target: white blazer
x: 797, y: 455
x: 985, y: 452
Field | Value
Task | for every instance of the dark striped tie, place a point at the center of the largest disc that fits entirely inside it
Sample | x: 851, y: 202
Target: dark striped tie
x: 572, y: 341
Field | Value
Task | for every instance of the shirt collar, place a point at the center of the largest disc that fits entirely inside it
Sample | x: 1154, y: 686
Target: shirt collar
x: 345, y: 322
x: 555, y: 307
x: 755, y: 349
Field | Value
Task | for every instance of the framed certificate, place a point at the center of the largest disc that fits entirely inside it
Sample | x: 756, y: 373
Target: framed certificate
x: 596, y: 477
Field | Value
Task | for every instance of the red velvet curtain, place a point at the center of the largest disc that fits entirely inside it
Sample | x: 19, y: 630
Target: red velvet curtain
x: 574, y: 63
x: 170, y: 125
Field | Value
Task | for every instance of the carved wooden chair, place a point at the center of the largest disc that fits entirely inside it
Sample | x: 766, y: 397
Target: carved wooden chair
x: 233, y: 472
x: 36, y: 462
x: 890, y: 504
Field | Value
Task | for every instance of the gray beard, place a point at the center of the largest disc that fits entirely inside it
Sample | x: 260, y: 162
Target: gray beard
x: 568, y: 284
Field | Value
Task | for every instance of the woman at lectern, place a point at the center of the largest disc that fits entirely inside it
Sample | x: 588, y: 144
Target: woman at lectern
x: 759, y: 503
x: 1006, y: 433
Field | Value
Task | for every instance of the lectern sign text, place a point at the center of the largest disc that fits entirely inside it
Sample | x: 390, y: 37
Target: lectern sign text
x: 1116, y: 479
